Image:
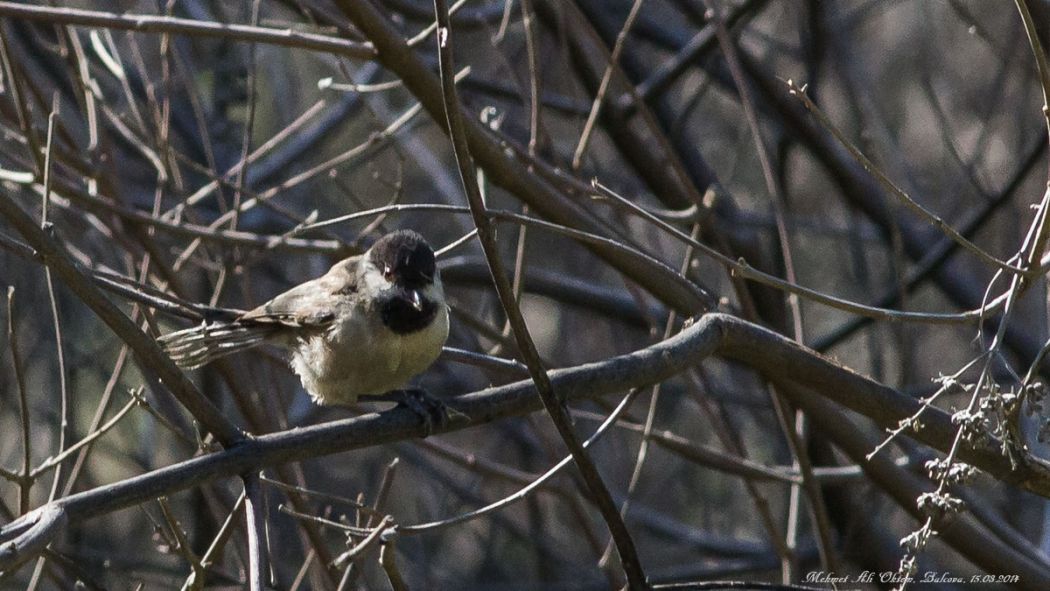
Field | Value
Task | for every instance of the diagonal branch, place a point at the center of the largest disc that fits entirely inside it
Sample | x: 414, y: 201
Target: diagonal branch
x: 779, y: 358
x: 487, y: 236
x: 145, y: 348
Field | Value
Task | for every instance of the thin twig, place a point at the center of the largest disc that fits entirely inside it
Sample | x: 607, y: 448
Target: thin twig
x: 792, y: 423
x: 25, y: 482
x: 255, y: 525
x: 142, y: 23
x: 364, y: 544
x: 193, y: 582
x: 1041, y: 61
x: 182, y: 544
x: 46, y: 226
x: 54, y: 461
x: 386, y: 560
x: 603, y: 87
x: 487, y: 237
x: 887, y: 184
x: 147, y: 350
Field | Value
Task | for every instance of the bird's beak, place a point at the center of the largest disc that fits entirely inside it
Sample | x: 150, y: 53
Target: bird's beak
x: 417, y: 300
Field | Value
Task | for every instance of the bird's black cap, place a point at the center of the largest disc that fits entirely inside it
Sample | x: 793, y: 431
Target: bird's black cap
x: 406, y: 257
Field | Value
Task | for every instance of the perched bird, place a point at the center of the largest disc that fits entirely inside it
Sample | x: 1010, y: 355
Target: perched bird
x: 365, y: 327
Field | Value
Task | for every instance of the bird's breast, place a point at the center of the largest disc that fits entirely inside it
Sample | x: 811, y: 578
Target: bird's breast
x: 362, y: 355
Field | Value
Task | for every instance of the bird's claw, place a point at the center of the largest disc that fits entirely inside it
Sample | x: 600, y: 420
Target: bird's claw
x: 433, y: 411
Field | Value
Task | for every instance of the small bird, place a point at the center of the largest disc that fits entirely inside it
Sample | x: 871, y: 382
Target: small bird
x: 365, y: 327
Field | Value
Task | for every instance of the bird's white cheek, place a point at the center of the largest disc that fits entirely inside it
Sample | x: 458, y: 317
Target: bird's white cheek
x: 374, y: 280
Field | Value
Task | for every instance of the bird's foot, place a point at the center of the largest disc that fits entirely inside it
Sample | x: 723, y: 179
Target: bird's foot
x: 433, y: 411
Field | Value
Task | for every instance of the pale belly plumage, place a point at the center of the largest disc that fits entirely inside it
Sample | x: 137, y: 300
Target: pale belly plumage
x: 361, y: 357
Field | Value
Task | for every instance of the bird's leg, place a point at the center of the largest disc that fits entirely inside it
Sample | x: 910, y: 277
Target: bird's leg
x: 432, y: 410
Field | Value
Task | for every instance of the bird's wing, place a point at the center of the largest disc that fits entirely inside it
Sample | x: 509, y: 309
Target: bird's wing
x: 311, y: 304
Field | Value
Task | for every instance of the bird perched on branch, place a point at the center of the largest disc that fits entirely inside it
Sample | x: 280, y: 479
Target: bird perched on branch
x: 365, y: 327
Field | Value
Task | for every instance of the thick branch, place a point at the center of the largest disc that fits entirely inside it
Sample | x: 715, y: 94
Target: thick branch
x: 776, y: 356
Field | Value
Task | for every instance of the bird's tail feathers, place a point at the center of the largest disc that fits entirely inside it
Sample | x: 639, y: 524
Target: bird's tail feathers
x: 193, y: 347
